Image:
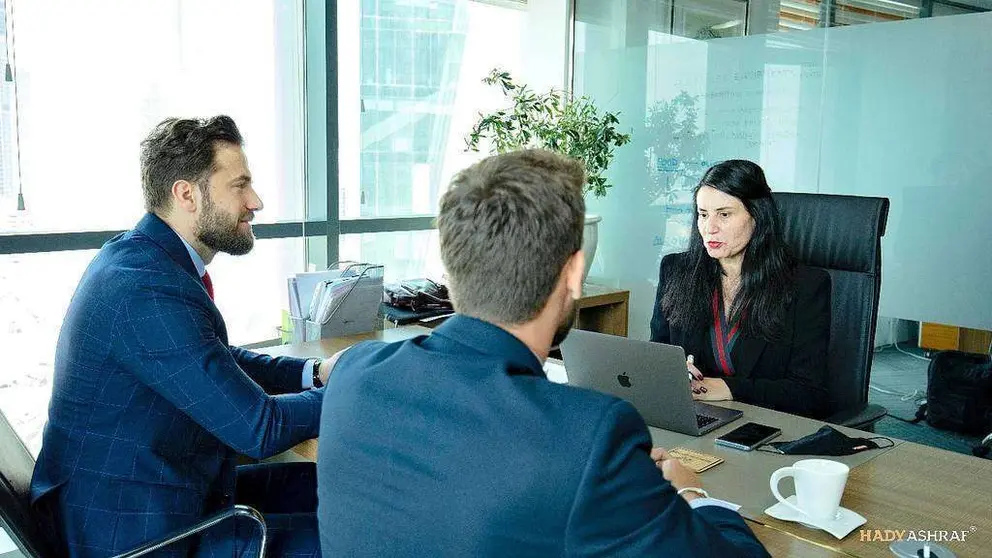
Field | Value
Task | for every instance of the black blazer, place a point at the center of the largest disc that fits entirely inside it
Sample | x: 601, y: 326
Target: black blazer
x: 789, y: 375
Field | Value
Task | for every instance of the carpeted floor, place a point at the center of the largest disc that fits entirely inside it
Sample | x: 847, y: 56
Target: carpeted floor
x: 904, y: 380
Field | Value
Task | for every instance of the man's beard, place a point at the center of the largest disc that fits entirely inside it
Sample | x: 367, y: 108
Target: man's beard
x: 215, y: 230
x: 564, y: 328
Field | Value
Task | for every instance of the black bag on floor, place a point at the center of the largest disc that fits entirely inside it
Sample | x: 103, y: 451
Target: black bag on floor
x: 959, y: 392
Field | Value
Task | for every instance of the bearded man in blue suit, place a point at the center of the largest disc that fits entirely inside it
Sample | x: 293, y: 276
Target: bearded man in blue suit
x: 150, y: 404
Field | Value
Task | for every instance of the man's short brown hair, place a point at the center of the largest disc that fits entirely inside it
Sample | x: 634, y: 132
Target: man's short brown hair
x: 508, y: 225
x: 181, y: 149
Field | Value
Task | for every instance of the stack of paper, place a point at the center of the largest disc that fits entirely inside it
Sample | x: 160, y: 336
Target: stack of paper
x: 306, y: 288
x: 328, y: 297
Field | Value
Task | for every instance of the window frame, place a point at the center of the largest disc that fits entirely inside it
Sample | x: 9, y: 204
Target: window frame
x: 321, y: 153
x: 321, y: 177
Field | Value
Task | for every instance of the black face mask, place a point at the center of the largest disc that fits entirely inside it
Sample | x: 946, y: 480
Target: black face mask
x: 826, y: 441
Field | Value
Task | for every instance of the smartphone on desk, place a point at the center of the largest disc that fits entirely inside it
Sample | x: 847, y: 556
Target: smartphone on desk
x: 748, y: 436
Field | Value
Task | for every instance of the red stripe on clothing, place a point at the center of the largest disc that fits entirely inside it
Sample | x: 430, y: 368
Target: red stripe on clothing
x: 720, y: 341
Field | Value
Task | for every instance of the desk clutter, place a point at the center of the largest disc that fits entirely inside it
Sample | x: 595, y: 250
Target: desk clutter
x: 415, y: 300
x: 341, y: 300
x: 349, y: 298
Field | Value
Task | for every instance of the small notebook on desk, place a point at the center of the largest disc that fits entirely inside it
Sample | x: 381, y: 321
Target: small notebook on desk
x: 694, y: 460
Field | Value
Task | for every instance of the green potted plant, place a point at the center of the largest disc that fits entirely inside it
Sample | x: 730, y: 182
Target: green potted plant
x: 558, y: 121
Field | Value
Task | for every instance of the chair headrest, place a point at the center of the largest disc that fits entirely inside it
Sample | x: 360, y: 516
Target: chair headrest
x: 834, y: 232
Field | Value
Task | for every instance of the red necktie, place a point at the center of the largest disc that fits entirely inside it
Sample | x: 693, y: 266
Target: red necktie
x: 208, y: 284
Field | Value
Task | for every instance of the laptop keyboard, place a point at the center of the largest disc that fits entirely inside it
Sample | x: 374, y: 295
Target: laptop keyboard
x: 703, y: 420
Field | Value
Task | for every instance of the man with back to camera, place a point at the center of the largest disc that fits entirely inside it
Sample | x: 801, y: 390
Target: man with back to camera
x: 150, y: 405
x: 456, y: 444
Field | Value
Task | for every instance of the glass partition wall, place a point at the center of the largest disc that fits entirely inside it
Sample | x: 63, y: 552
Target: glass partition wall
x: 869, y: 98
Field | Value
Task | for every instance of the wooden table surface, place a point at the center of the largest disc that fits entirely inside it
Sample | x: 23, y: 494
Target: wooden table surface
x: 724, y: 480
x: 603, y: 309
x: 598, y: 295
x: 327, y: 347
x: 914, y: 488
x: 909, y: 488
x: 783, y: 543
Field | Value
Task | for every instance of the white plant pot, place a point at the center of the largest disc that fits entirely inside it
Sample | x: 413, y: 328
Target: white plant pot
x: 590, y: 238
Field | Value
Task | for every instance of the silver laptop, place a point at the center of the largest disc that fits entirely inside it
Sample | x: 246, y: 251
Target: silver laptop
x: 652, y: 376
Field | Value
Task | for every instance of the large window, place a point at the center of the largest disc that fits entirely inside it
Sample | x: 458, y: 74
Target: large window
x: 35, y: 290
x: 418, y: 87
x: 92, y: 78
x: 709, y: 19
x: 86, y: 82
x: 405, y: 255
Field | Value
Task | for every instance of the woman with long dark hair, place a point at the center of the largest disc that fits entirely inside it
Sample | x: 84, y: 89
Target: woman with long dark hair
x: 754, y: 323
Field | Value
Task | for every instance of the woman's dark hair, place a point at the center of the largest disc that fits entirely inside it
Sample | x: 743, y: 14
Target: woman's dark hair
x: 767, y: 272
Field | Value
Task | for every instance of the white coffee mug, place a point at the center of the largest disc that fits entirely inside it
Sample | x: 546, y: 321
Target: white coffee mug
x: 819, y: 486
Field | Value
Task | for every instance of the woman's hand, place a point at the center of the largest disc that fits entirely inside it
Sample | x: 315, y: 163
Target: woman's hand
x: 695, y: 376
x: 712, y: 389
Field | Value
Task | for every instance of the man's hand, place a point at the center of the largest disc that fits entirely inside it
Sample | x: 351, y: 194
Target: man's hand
x: 712, y: 389
x: 676, y: 473
x: 327, y: 365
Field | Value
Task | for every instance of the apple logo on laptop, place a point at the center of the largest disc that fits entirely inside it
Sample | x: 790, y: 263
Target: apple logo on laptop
x: 624, y: 380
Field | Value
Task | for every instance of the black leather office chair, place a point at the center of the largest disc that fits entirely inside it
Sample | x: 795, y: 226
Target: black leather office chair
x: 843, y: 235
x: 16, y: 467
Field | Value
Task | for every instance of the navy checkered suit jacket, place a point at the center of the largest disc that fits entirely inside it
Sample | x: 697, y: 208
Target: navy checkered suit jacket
x: 150, y: 404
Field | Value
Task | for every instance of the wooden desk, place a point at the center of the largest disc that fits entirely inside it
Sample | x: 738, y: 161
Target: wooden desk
x: 782, y: 543
x: 603, y: 309
x: 914, y: 488
x: 754, y: 496
x: 327, y: 347
x: 940, y: 337
x: 907, y: 487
